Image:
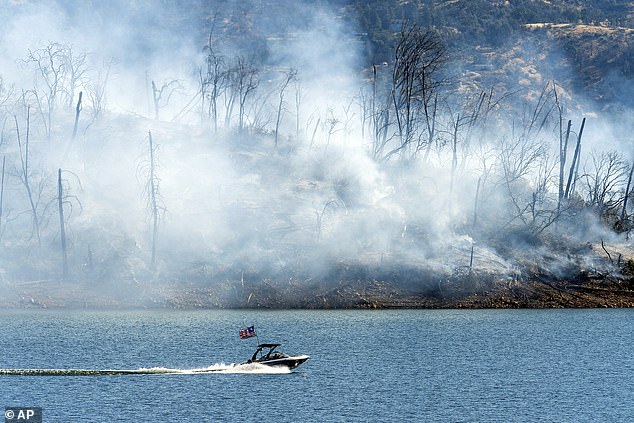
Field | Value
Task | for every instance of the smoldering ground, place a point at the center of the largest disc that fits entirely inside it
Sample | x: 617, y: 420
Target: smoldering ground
x: 262, y: 182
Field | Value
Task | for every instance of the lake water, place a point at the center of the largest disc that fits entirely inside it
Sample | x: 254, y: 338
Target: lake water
x: 383, y: 366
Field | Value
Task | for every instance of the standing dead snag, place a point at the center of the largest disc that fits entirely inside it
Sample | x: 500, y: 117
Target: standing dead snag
x: 456, y: 126
x: 572, y: 176
x: 245, y: 82
x: 49, y: 64
x: 161, y: 96
x: 62, y: 228
x: 563, y: 147
x: 603, y: 183
x: 213, y: 80
x: 288, y: 77
x: 473, y: 226
x: 4, y: 159
x: 58, y: 73
x: 153, y: 191
x: 153, y: 194
x: 64, y: 198
x: 625, y: 197
x: 25, y: 173
x: 418, y: 58
x: 320, y: 216
x: 77, y: 111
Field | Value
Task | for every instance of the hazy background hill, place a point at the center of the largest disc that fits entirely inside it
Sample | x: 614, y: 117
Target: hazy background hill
x: 590, y: 39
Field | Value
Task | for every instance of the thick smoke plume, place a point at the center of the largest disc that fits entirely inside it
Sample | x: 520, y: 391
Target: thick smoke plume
x: 276, y: 154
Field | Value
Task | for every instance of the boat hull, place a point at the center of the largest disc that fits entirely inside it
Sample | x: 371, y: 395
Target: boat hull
x: 291, y: 362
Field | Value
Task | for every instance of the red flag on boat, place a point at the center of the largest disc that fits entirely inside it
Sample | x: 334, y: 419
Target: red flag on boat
x: 248, y: 332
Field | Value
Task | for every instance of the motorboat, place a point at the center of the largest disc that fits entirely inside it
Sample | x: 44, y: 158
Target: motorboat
x: 268, y: 355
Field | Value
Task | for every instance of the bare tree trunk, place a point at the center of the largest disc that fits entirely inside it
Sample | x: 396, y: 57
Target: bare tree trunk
x: 431, y: 126
x: 51, y: 67
x: 475, y: 221
x: 279, y: 117
x: 4, y: 159
x: 62, y: 228
x: 627, y: 192
x: 155, y: 98
x: 414, y: 83
x: 214, y: 79
x: 247, y: 83
x: 77, y: 111
x: 454, y: 155
x: 287, y: 80
x: 298, y: 101
x: 563, y: 148
x: 574, y: 166
x: 320, y: 217
x: 229, y: 103
x: 24, y: 172
x: 574, y: 180
x: 312, y: 139
x: 153, y: 202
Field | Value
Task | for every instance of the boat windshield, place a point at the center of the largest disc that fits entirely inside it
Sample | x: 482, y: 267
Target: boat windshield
x: 265, y: 352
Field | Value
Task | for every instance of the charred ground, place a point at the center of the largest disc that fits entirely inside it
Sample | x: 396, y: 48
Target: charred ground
x: 350, y: 286
x: 478, y: 291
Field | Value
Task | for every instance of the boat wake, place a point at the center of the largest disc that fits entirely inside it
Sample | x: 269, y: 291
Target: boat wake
x: 253, y: 368
x: 241, y: 368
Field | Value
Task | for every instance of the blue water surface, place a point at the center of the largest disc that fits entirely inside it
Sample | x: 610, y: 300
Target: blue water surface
x: 383, y: 366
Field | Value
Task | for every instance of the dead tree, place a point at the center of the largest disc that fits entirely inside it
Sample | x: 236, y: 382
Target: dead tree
x: 153, y: 181
x: 4, y: 159
x: 519, y: 159
x: 148, y: 169
x: 245, y: 83
x: 454, y: 150
x: 212, y: 80
x: 563, y: 148
x: 77, y: 111
x: 65, y: 199
x: 542, y: 113
x: 242, y: 81
x: 25, y: 173
x: 62, y: 227
x: 59, y: 73
x: 419, y: 56
x: 474, y: 223
x: 75, y: 70
x: 604, y: 181
x: 478, y: 111
x: 331, y: 124
x: 96, y: 91
x: 379, y: 112
x: 574, y: 167
x: 334, y: 204
x: 230, y: 95
x: 540, y: 209
x: 564, y: 137
x: 625, y: 197
x: 50, y: 67
x: 298, y: 102
x: 459, y: 122
x: 462, y: 126
x: 289, y: 76
x: 161, y: 96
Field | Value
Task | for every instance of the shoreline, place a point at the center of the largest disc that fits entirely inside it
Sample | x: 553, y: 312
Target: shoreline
x: 536, y: 293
